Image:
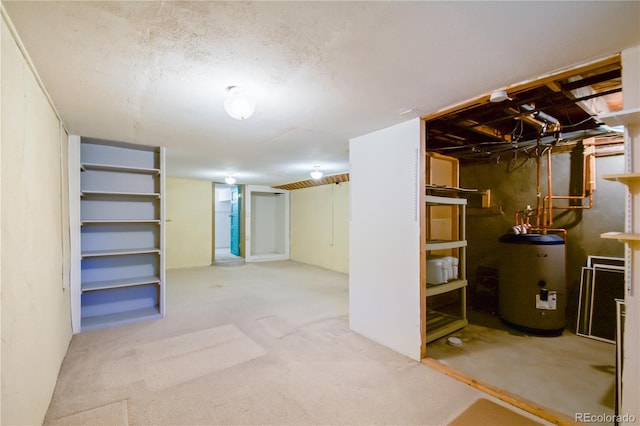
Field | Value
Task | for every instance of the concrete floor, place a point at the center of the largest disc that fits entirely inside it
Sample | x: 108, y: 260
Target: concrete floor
x: 568, y: 373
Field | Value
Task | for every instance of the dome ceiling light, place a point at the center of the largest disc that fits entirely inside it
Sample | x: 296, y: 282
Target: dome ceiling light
x: 239, y: 104
x: 316, y: 173
x: 230, y: 180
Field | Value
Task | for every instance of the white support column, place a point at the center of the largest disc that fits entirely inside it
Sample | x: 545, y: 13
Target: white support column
x: 74, y: 230
x: 631, y: 371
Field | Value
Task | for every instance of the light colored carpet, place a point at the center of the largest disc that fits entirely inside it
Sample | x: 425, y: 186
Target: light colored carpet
x: 486, y: 413
x: 262, y: 343
x: 111, y: 414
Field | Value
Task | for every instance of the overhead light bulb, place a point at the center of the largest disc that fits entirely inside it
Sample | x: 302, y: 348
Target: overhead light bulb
x: 239, y: 104
x: 316, y: 173
x: 230, y: 180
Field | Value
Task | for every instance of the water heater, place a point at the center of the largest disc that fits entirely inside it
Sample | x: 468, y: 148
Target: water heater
x: 532, y: 294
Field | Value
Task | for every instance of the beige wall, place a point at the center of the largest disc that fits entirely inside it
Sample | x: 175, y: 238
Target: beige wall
x: 189, y: 213
x: 320, y: 226
x: 35, y: 307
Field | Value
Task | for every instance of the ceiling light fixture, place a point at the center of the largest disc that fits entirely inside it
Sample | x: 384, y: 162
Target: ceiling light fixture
x: 239, y: 104
x: 316, y: 173
x: 498, y: 96
x: 230, y: 180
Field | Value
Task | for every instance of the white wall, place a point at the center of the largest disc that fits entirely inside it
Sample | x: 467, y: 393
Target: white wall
x: 266, y: 227
x: 35, y: 305
x: 320, y: 226
x: 266, y: 223
x: 384, y: 237
x: 188, y: 231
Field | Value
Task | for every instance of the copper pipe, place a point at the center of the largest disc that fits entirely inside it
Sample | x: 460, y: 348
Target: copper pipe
x: 544, y: 206
x: 550, y: 191
x: 588, y: 160
x: 538, y: 206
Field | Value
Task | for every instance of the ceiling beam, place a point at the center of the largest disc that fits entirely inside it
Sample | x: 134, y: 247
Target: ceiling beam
x: 588, y: 81
x: 526, y: 85
x: 485, y: 130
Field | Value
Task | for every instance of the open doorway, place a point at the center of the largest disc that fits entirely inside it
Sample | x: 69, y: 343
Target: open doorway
x: 227, y: 239
x: 544, y: 362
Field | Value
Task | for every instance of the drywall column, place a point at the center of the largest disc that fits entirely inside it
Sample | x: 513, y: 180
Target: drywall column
x: 384, y: 237
x: 1, y: 43
x: 35, y: 305
x: 631, y: 370
x: 189, y: 213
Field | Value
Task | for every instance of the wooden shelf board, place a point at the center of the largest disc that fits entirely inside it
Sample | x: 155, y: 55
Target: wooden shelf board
x: 119, y: 252
x: 445, y: 244
x: 626, y: 178
x: 629, y: 117
x: 110, y: 284
x: 620, y: 236
x: 111, y: 167
x: 102, y: 321
x: 119, y: 194
x: 434, y: 289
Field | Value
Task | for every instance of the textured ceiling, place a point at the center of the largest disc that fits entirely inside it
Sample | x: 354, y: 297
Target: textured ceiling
x: 322, y: 72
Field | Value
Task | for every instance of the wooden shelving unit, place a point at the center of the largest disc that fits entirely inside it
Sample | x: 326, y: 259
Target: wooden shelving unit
x: 630, y: 119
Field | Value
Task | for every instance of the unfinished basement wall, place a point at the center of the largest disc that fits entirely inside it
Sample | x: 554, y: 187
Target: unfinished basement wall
x: 189, y: 227
x: 35, y: 305
x: 320, y: 226
x: 513, y: 187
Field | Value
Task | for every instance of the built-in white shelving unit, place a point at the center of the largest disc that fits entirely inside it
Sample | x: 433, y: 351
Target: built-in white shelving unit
x: 439, y: 324
x: 121, y: 238
x: 627, y: 341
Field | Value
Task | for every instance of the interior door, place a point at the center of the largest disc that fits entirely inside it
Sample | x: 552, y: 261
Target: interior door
x: 235, y: 220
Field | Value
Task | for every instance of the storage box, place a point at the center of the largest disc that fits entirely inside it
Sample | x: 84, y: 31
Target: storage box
x: 441, y: 269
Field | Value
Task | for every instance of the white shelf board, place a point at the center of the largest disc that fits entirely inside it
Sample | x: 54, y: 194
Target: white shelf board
x: 629, y: 117
x: 120, y: 194
x: 434, y: 289
x: 115, y: 168
x: 119, y: 252
x: 102, y: 321
x: 129, y: 282
x: 445, y: 244
x: 437, y: 200
x: 123, y: 221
